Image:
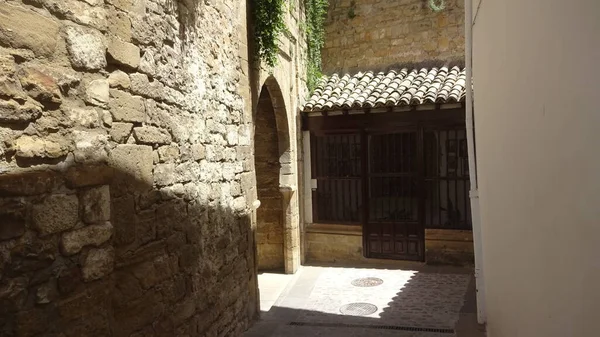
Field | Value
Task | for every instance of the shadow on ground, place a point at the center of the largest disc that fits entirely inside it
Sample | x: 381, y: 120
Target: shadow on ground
x: 431, y: 301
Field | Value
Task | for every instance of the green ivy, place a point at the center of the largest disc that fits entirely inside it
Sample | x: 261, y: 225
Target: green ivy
x: 437, y: 5
x: 316, y: 13
x: 269, y: 23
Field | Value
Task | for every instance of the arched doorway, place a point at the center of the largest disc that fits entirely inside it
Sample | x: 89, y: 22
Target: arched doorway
x: 272, y: 159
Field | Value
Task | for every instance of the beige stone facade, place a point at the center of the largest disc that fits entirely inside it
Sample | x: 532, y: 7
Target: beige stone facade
x: 376, y: 34
x: 127, y: 173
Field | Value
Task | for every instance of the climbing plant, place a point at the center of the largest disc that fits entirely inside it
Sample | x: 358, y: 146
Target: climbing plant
x: 437, y: 5
x: 316, y: 12
x: 269, y: 23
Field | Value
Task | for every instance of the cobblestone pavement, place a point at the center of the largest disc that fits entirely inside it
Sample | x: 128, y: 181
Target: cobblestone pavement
x: 409, y: 303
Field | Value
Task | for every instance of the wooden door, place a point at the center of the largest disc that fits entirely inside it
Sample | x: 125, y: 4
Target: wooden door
x: 394, y: 227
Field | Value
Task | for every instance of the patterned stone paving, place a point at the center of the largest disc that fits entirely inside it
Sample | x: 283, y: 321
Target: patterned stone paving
x: 405, y: 298
x: 302, y: 331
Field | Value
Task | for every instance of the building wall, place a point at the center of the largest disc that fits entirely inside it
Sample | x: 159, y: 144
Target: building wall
x: 535, y: 76
x: 270, y: 226
x: 343, y: 244
x: 449, y: 247
x: 127, y: 176
x: 376, y: 34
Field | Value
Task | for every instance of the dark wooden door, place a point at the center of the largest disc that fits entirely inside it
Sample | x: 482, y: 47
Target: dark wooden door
x: 394, y: 227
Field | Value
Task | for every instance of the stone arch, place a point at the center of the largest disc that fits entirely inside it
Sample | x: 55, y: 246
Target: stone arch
x: 276, y: 233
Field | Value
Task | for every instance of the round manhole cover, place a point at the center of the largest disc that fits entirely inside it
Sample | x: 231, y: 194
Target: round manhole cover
x: 358, y: 309
x: 367, y: 282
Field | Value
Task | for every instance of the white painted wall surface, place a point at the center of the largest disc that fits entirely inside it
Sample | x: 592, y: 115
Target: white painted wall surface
x: 537, y: 123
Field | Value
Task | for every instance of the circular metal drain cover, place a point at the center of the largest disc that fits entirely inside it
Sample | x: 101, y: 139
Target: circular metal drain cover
x: 358, y: 309
x: 367, y: 282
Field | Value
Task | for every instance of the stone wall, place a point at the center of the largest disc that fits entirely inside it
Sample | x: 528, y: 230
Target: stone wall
x: 286, y: 83
x: 342, y: 244
x: 126, y: 171
x: 449, y: 246
x: 376, y: 34
x: 269, y: 226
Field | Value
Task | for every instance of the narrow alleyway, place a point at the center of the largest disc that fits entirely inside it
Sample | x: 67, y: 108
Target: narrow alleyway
x: 326, y: 301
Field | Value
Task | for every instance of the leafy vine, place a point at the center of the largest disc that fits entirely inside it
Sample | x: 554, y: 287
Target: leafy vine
x: 316, y: 13
x: 269, y: 23
x: 437, y: 5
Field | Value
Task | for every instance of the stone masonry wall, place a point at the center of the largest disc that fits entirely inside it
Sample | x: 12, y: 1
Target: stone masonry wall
x: 377, y: 34
x: 269, y: 226
x: 125, y: 169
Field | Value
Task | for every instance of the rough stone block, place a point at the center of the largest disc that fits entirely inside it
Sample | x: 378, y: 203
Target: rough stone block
x: 127, y: 5
x: 106, y: 118
x: 30, y: 147
x: 92, y: 235
x: 86, y: 47
x: 76, y: 11
x: 12, y: 112
x: 119, y: 25
x: 198, y: 152
x: 123, y: 214
x: 188, y: 171
x: 83, y: 176
x: 86, y: 117
x: 232, y: 135
x: 164, y: 174
x: 127, y: 108
x: 96, y: 204
x: 134, y: 161
x: 151, y: 135
x: 90, y: 146
x: 169, y: 153
x: 97, y: 93
x: 27, y: 183
x: 13, y: 215
x: 40, y: 35
x: 119, y: 79
x: 141, y: 85
x: 39, y: 85
x: 56, y: 214
x: 124, y: 53
x: 119, y: 132
x: 98, y: 263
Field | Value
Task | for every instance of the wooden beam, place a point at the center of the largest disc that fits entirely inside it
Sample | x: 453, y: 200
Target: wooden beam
x: 382, y: 120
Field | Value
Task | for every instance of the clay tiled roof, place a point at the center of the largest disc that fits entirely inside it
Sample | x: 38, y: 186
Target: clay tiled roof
x: 393, y: 88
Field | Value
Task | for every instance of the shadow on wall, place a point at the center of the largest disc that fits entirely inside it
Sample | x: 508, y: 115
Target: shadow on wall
x: 95, y: 250
x: 438, y: 302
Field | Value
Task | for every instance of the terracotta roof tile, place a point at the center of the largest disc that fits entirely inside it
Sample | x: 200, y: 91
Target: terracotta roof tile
x: 392, y: 88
